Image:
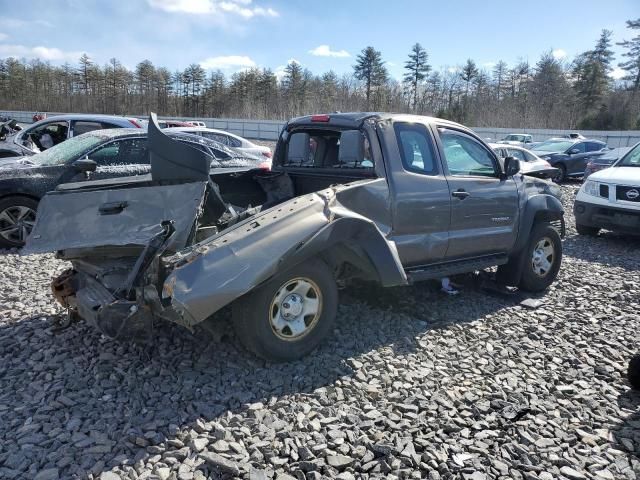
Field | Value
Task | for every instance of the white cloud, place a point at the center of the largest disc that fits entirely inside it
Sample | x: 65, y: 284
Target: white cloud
x: 325, y: 51
x: 3, y: 36
x: 14, y: 23
x: 452, y: 69
x: 489, y: 64
x: 236, y: 62
x: 559, y: 54
x: 241, y: 8
x: 43, y: 53
x: 617, y: 73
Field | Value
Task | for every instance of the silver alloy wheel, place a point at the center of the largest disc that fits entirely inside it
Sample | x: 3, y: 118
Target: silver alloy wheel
x: 295, y: 309
x: 16, y: 223
x: 543, y: 257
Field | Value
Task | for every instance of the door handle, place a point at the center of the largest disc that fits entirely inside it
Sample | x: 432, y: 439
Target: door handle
x: 460, y: 193
x: 112, y: 208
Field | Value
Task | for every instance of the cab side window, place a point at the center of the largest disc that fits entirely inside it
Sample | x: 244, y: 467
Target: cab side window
x: 416, y: 148
x: 465, y: 156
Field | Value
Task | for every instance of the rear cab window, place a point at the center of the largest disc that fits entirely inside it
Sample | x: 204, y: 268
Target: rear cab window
x: 327, y: 149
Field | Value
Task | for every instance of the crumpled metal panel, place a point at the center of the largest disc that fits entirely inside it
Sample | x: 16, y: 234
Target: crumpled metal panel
x: 88, y: 219
x: 220, y: 270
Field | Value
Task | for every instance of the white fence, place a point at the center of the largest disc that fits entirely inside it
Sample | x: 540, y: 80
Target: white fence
x: 270, y: 129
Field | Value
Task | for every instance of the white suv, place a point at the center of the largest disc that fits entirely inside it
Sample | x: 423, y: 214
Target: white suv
x: 610, y: 198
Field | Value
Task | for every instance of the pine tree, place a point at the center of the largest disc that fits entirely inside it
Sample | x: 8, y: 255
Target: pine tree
x: 591, y: 71
x: 370, y: 69
x: 417, y: 68
x: 632, y: 65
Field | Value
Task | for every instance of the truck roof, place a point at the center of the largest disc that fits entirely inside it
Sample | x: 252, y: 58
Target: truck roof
x: 355, y: 120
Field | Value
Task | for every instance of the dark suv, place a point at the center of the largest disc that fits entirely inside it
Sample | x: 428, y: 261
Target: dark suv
x: 569, y: 156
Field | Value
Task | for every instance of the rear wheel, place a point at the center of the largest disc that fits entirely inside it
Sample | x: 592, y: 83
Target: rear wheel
x: 290, y: 315
x: 585, y: 230
x: 561, y: 176
x: 17, y: 217
x: 543, y: 257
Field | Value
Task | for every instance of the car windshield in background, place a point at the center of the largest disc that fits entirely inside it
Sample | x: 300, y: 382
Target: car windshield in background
x: 223, y: 156
x: 70, y: 149
x: 631, y: 159
x: 553, y: 146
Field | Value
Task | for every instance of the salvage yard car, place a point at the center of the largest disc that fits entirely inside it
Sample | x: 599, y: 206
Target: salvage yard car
x: 54, y: 130
x: 226, y: 138
x: 610, y: 198
x: 388, y: 198
x: 517, y: 139
x: 530, y: 163
x: 570, y: 157
x: 98, y: 155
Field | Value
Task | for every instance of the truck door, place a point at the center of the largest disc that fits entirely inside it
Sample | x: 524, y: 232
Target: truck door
x: 421, y: 204
x: 484, y: 206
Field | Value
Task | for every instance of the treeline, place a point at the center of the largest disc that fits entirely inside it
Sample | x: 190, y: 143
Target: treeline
x: 552, y: 93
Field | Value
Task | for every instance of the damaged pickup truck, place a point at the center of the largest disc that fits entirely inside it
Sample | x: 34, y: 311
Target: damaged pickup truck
x: 391, y: 198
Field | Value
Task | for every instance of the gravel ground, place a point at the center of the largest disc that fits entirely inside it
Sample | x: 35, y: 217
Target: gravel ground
x: 412, y: 384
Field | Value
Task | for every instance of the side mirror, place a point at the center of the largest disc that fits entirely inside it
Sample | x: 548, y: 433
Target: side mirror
x: 85, y: 165
x: 573, y: 151
x: 511, y: 166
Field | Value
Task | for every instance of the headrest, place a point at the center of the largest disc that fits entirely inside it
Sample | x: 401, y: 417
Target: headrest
x: 299, y: 149
x: 351, y: 147
x: 175, y: 160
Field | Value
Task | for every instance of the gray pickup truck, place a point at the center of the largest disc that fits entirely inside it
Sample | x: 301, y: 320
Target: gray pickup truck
x: 390, y: 198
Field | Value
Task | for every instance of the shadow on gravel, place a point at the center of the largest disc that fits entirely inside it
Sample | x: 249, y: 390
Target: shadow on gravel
x: 102, y: 403
x: 627, y: 434
x: 607, y: 248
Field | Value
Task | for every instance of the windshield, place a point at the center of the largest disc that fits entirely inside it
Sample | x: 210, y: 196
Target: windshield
x: 631, y: 159
x: 68, y: 150
x: 553, y: 146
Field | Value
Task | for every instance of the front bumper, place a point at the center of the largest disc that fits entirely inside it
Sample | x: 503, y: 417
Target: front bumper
x: 610, y: 218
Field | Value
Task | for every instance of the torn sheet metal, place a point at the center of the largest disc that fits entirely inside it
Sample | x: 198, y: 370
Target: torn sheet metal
x: 115, y: 217
x: 231, y: 264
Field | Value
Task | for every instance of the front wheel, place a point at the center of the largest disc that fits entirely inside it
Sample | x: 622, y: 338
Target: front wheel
x: 17, y: 217
x: 561, y: 176
x: 290, y: 315
x: 543, y: 257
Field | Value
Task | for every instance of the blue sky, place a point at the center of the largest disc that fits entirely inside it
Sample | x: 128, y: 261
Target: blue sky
x: 321, y: 35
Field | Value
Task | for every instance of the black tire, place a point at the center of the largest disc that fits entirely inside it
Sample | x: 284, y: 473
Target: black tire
x: 534, y: 279
x: 633, y: 372
x: 561, y: 176
x: 585, y: 230
x: 9, y: 206
x: 253, y: 313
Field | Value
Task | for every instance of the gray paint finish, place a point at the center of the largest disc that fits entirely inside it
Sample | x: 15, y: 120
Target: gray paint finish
x: 118, y: 217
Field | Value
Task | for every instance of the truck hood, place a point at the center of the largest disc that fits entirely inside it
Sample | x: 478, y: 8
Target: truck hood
x: 621, y: 175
